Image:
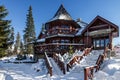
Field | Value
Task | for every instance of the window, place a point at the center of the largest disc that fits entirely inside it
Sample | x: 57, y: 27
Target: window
x: 94, y: 43
x: 102, y: 43
x: 47, y: 26
x: 62, y: 41
x: 67, y: 41
x: 97, y: 43
x: 106, y: 42
x: 55, y: 41
x: 63, y: 47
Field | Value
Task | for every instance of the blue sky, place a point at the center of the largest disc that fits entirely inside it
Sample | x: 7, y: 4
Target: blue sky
x: 44, y: 10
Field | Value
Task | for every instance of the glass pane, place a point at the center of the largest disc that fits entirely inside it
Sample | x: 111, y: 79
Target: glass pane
x: 97, y: 43
x: 102, y: 43
x: 94, y: 43
x: 106, y: 42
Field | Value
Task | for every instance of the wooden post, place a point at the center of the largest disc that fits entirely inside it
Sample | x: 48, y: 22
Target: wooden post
x: 50, y: 71
x: 85, y: 74
x: 63, y: 68
x: 68, y: 67
x: 111, y: 38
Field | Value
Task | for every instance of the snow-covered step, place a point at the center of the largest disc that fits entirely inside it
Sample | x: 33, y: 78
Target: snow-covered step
x: 77, y: 69
x: 91, y: 59
x: 56, y: 70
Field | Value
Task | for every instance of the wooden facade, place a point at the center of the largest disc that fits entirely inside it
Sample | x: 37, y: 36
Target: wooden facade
x: 100, y: 32
x: 62, y: 31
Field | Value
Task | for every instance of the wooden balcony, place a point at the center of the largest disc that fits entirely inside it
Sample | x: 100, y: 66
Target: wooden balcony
x: 65, y: 31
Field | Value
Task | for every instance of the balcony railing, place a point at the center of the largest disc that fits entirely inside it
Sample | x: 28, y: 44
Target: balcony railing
x: 61, y: 31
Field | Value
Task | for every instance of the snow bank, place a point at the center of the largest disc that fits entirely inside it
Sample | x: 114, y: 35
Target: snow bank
x: 110, y: 72
x: 2, y: 76
x: 100, y: 75
x: 23, y: 71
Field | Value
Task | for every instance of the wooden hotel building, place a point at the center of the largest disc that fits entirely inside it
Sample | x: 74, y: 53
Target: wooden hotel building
x: 61, y: 32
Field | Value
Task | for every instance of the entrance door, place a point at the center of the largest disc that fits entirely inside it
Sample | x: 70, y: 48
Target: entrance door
x: 100, y: 43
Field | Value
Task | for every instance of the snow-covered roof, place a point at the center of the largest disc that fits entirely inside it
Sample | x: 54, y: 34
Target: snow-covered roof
x: 41, y: 40
x: 83, y: 26
x: 80, y: 31
x: 61, y: 14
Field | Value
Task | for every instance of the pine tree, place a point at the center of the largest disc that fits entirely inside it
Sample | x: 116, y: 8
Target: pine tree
x: 17, y: 44
x: 29, y: 32
x: 11, y: 37
x: 11, y: 34
x: 4, y: 31
x: 10, y: 42
x: 21, y: 47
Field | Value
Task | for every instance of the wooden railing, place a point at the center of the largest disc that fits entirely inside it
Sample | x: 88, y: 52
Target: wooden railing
x: 89, y: 71
x: 99, y: 62
x: 78, y: 58
x: 75, y: 59
x: 49, y: 66
x: 60, y: 63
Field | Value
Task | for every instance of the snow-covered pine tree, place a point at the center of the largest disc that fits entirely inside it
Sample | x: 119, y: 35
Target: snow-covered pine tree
x: 11, y: 42
x: 4, y: 31
x: 17, y: 44
x: 29, y: 32
x: 12, y: 34
x: 21, y: 47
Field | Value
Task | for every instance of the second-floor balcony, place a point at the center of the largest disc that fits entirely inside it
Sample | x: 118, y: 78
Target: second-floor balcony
x: 61, y: 32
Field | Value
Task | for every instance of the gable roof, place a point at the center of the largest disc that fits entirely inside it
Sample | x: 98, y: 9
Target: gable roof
x: 61, y: 14
x: 102, y: 19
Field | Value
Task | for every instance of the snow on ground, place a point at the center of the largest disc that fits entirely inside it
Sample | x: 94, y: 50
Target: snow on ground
x: 72, y: 75
x: 109, y: 72
x: 117, y: 50
x: 13, y: 59
x: 110, y: 69
x: 57, y: 73
x: 28, y: 71
x: 23, y: 71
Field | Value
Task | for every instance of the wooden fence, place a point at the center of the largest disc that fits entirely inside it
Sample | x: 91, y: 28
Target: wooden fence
x: 49, y: 66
